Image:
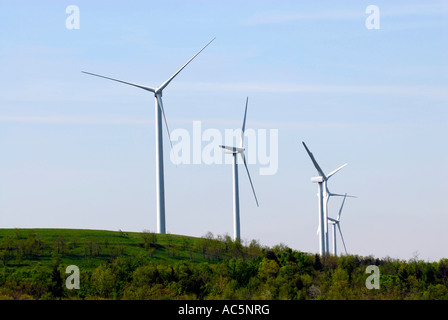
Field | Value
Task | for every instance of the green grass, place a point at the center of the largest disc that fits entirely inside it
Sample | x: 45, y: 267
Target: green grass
x: 89, y: 248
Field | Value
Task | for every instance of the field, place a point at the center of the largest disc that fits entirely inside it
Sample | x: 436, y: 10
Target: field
x: 89, y: 248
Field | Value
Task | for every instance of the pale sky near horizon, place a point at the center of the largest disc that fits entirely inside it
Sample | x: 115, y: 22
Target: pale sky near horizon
x: 78, y: 151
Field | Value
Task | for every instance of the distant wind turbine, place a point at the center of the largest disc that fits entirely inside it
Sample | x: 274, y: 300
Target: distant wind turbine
x: 331, y: 220
x: 335, y: 222
x: 236, y: 199
x: 323, y: 196
x: 327, y: 195
x: 159, y: 113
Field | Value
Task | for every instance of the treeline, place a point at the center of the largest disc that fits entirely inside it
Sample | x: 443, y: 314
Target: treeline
x: 228, y: 270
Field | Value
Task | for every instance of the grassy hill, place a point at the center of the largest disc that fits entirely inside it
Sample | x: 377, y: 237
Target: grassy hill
x: 89, y: 248
x: 132, y: 265
x: 32, y: 260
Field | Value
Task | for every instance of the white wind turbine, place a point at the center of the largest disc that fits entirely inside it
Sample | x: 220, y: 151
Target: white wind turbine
x: 327, y: 195
x: 159, y: 113
x: 335, y: 222
x: 323, y: 196
x: 236, y: 198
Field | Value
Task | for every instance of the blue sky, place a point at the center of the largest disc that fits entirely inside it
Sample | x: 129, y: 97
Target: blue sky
x: 78, y: 151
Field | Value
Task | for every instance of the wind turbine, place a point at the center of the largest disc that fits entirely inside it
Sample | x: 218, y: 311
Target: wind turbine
x: 323, y: 196
x: 335, y: 222
x: 236, y: 198
x: 159, y: 113
x: 327, y: 195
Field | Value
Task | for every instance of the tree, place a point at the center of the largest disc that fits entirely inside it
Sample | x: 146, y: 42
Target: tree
x: 317, y: 263
x: 94, y: 247
x: 60, y: 245
x: 56, y: 287
x: 149, y: 239
x: 145, y: 274
x: 103, y: 280
x: 4, y: 256
x: 254, y: 249
x: 339, y: 288
x: 286, y: 256
x: 304, y: 262
x: 6, y: 251
x: 350, y: 263
x: 268, y: 269
x: 241, y: 270
x: 442, y: 271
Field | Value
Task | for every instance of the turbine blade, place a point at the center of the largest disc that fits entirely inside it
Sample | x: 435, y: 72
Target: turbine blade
x: 128, y: 83
x: 316, y: 165
x: 244, y: 124
x: 250, y: 180
x: 160, y: 104
x: 334, y: 171
x: 163, y: 86
x: 343, y: 242
x: 342, y: 205
x: 340, y: 195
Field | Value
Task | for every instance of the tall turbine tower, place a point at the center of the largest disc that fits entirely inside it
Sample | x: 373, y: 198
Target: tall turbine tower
x: 236, y: 198
x: 159, y: 113
x: 335, y: 222
x: 323, y: 194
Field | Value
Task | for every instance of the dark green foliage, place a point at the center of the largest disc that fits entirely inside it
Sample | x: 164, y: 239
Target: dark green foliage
x: 127, y: 265
x: 56, y: 287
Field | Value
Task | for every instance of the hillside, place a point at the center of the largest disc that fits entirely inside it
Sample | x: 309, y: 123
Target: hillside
x: 130, y: 265
x: 89, y: 248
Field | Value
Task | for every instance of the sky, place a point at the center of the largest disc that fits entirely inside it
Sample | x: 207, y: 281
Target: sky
x: 79, y: 152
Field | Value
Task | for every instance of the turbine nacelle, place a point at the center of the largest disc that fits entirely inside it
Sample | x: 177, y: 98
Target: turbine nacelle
x: 233, y: 150
x: 318, y: 179
x: 332, y: 221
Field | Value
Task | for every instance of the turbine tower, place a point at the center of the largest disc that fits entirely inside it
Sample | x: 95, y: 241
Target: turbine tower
x: 323, y: 195
x: 236, y: 198
x: 335, y: 222
x: 159, y: 113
